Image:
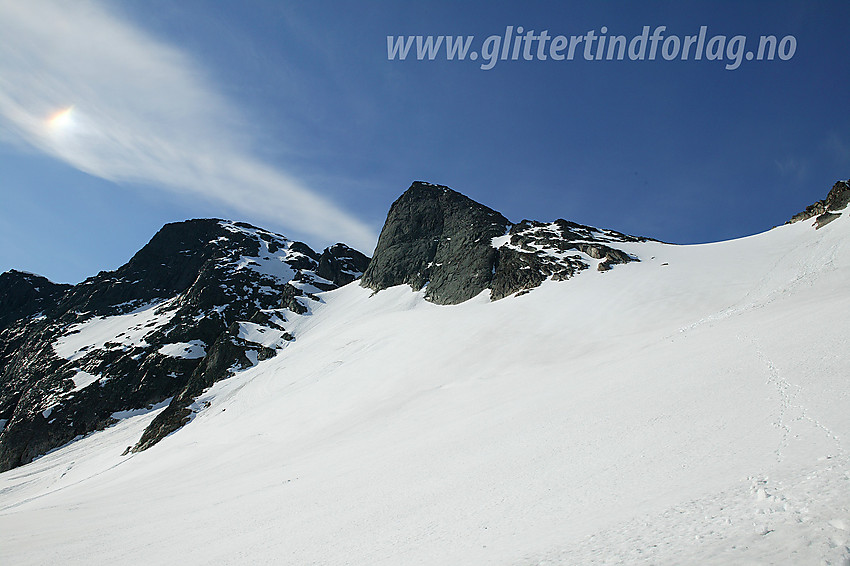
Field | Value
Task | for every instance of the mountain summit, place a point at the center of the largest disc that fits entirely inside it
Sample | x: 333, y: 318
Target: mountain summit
x: 437, y: 237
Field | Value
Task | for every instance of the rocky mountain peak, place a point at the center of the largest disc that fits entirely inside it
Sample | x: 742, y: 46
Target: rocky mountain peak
x: 438, y: 237
x: 203, y: 299
x: 170, y: 263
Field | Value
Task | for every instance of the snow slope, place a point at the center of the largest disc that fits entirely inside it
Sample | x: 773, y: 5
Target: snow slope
x: 126, y: 330
x: 688, y: 409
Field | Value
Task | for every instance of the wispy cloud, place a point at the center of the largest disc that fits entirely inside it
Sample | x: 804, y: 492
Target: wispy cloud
x: 83, y: 85
x: 793, y: 167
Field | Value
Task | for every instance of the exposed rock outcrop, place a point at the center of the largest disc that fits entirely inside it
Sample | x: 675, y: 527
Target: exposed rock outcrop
x: 535, y: 251
x: 826, y: 210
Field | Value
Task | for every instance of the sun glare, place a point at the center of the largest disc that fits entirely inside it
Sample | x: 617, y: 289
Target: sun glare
x: 60, y: 119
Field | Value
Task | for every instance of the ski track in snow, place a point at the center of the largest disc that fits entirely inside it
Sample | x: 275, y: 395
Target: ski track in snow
x: 790, y: 412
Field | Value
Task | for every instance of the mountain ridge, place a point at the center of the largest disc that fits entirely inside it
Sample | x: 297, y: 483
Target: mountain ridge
x: 198, y: 303
x: 690, y: 407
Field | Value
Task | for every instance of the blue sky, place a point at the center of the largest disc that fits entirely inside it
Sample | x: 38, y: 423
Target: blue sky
x: 290, y: 116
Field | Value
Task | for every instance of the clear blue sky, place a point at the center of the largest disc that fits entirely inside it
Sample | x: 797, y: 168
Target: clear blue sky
x: 289, y: 115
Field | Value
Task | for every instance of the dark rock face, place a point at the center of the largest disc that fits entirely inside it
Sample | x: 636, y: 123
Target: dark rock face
x: 24, y: 298
x: 825, y: 210
x: 436, y: 236
x: 839, y: 196
x: 173, y: 308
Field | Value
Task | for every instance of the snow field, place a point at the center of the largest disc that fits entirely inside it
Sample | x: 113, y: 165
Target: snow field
x: 688, y: 413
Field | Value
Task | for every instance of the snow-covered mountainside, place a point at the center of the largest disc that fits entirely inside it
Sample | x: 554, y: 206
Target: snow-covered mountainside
x: 689, y: 406
x: 164, y: 326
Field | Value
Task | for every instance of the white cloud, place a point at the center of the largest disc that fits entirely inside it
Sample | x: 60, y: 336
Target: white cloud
x: 141, y: 111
